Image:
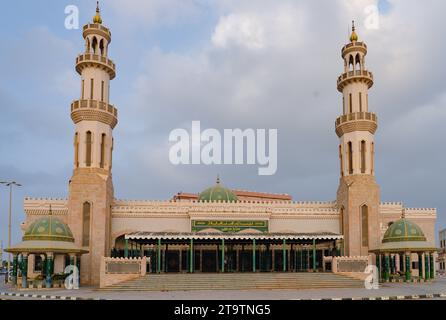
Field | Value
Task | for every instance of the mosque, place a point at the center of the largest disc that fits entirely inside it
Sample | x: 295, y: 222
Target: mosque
x: 219, y: 229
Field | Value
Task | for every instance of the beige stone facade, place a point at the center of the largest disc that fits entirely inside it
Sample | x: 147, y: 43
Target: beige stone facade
x: 99, y: 221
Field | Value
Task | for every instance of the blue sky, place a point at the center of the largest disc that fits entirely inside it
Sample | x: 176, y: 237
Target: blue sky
x: 184, y: 60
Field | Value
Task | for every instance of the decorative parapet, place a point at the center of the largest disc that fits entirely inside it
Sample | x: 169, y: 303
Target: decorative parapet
x: 355, y: 76
x: 358, y: 121
x: 87, y: 60
x: 116, y: 270
x: 96, y: 28
x: 181, y: 208
x: 41, y: 206
x: 354, y: 46
x: 93, y: 110
x: 350, y: 264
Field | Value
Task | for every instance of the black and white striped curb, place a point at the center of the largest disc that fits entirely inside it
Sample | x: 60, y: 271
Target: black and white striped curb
x: 409, y: 297
x: 40, y: 296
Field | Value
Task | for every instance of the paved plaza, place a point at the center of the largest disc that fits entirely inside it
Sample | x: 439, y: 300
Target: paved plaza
x: 386, y: 290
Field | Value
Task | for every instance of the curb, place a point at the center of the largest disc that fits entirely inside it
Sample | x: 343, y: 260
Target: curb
x: 47, y: 297
x: 411, y: 297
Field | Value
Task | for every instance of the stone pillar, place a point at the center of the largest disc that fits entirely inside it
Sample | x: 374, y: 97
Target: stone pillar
x: 408, y: 266
x: 432, y: 266
x: 378, y: 265
x: 126, y: 248
x: 426, y: 266
x: 24, y: 270
x: 158, y: 257
x: 386, y: 268
x: 49, y: 269
x: 14, y: 269
x: 392, y: 264
x: 420, y: 265
x: 314, y: 255
x: 253, y: 255
x: 191, y: 256
x: 284, y: 256
x: 223, y: 255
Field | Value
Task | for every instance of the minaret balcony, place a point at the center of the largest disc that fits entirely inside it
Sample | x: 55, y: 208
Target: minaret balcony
x: 97, y: 29
x: 354, y: 47
x: 358, y: 121
x: 97, y: 61
x: 93, y: 110
x: 355, y: 76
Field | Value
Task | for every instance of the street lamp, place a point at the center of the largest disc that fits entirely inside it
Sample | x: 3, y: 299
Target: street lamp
x: 10, y: 184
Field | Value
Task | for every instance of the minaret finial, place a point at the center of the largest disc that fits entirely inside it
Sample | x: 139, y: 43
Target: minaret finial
x: 51, y: 211
x: 97, y: 18
x: 218, y: 179
x: 403, y: 214
x: 354, y: 36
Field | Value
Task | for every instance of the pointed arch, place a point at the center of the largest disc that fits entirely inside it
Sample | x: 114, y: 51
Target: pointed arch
x: 101, y: 47
x: 86, y: 222
x: 94, y: 45
x: 350, y: 157
x: 351, y: 63
x: 103, y: 139
x: 76, y: 150
x: 364, y: 211
x: 363, y: 156
x: 88, y: 148
x: 358, y: 62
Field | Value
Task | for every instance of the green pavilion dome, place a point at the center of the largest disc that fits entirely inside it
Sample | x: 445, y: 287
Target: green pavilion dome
x: 403, y: 230
x: 217, y: 193
x: 48, y: 228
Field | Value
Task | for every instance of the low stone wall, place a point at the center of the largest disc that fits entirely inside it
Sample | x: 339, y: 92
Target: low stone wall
x: 116, y: 270
x: 350, y: 264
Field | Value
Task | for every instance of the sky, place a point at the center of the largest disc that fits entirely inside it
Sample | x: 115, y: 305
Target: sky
x: 259, y: 64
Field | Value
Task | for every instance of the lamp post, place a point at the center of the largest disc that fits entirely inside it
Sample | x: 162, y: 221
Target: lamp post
x: 10, y: 184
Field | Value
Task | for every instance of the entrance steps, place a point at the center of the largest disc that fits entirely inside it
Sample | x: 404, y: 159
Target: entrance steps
x: 236, y: 281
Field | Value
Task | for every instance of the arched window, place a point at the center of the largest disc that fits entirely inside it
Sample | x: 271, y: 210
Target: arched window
x: 101, y: 47
x: 358, y: 62
x: 83, y: 90
x: 102, y: 91
x: 372, y: 155
x: 103, y: 150
x: 76, y: 150
x: 360, y: 102
x: 363, y: 156
x: 88, y: 148
x: 341, y: 159
x: 87, y: 45
x: 111, y: 153
x: 91, y: 89
x: 86, y: 214
x: 350, y: 157
x: 351, y: 63
x: 95, y: 45
x: 350, y: 102
x: 365, y: 226
x: 341, y: 221
x: 343, y: 104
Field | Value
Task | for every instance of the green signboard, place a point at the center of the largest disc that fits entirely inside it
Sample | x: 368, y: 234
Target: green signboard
x: 229, y: 225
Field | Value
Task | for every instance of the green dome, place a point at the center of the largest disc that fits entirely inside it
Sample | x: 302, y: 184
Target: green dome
x: 403, y: 230
x: 217, y: 193
x: 48, y: 229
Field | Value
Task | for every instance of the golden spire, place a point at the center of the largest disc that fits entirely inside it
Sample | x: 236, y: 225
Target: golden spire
x: 97, y: 18
x: 354, y: 36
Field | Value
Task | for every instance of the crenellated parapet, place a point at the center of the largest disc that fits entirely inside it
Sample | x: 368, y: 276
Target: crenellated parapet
x: 93, y: 110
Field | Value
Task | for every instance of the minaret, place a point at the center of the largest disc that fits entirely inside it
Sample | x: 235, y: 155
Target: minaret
x: 91, y: 186
x: 358, y: 193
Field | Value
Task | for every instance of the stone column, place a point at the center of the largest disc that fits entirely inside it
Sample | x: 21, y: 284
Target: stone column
x: 158, y: 257
x: 386, y: 267
x: 253, y: 255
x: 14, y: 269
x: 222, y: 255
x: 126, y: 248
x: 314, y: 255
x: 284, y: 256
x: 432, y: 265
x: 420, y: 265
x: 378, y: 265
x: 24, y: 270
x: 191, y: 256
x: 408, y: 266
x: 49, y: 269
x: 426, y: 266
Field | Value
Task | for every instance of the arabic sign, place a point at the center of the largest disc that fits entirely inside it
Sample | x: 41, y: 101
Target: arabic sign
x: 229, y: 225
